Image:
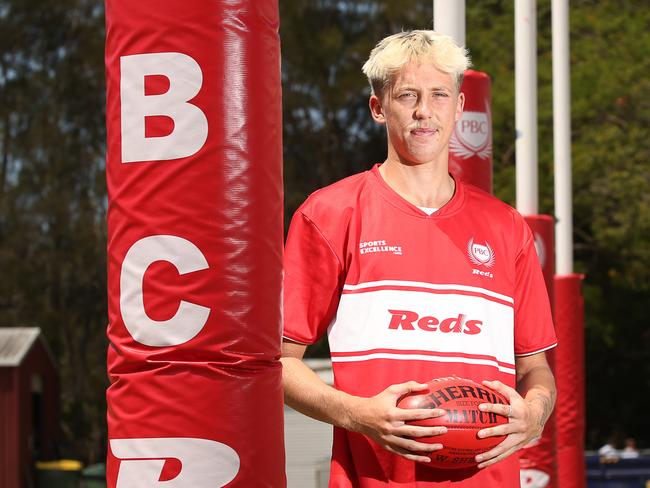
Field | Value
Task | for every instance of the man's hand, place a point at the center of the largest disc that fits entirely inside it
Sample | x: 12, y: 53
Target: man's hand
x: 521, y: 428
x: 526, y: 414
x: 380, y: 419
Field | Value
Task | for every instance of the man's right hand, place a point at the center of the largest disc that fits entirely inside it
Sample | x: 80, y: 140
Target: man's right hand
x: 376, y: 417
x: 380, y: 419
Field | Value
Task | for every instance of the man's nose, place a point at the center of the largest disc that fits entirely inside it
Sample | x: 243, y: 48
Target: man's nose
x: 424, y: 109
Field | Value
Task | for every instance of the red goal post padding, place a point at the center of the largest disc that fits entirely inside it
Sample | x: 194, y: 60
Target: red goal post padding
x: 538, y: 461
x: 570, y: 379
x: 470, y: 147
x: 194, y: 173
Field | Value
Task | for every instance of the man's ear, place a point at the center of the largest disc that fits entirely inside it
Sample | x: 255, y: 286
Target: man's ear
x: 460, y: 104
x: 376, y: 109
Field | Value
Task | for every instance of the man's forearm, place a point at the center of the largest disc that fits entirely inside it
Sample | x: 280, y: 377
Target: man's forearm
x: 305, y: 392
x: 537, y: 387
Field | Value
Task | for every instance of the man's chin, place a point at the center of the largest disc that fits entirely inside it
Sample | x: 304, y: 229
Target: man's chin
x: 420, y: 156
x: 419, y: 160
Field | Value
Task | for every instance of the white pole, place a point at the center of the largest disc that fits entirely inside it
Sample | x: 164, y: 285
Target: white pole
x: 526, y: 106
x: 562, y: 138
x: 449, y: 19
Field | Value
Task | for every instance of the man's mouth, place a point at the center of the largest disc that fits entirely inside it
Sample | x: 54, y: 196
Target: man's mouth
x: 424, y: 131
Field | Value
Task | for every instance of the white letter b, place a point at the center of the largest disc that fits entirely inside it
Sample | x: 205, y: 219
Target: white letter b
x: 190, y: 123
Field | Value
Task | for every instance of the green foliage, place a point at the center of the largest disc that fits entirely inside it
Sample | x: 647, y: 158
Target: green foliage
x: 611, y: 176
x: 52, y: 198
x: 611, y: 154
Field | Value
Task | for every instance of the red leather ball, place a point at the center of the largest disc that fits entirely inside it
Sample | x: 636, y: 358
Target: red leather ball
x: 460, y: 397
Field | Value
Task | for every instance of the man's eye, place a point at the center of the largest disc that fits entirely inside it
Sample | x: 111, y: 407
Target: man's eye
x: 407, y: 95
x: 440, y: 94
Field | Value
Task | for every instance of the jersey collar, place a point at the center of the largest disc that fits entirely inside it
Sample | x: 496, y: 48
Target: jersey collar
x: 396, y: 200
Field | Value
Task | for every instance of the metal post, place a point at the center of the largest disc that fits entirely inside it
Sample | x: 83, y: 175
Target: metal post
x: 526, y: 105
x: 562, y: 138
x: 449, y: 18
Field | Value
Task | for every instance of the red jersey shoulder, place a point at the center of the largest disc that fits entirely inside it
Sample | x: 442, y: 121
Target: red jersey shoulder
x: 490, y: 209
x: 481, y: 199
x: 334, y: 199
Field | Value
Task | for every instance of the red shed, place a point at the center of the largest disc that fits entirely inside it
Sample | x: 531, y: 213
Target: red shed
x: 29, y: 393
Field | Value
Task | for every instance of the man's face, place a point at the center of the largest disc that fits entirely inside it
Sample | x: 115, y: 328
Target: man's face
x: 420, y: 109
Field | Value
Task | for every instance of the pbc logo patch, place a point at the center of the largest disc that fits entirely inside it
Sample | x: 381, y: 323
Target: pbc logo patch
x: 480, y: 254
x: 472, y: 135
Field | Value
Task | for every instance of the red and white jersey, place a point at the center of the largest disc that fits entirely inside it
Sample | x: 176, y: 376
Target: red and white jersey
x: 408, y: 296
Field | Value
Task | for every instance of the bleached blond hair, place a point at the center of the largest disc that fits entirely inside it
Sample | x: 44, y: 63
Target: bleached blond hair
x: 425, y: 46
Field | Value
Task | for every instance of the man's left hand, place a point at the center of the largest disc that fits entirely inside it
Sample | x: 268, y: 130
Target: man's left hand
x: 523, y: 425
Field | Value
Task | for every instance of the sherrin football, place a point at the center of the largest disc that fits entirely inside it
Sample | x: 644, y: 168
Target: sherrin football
x: 460, y: 397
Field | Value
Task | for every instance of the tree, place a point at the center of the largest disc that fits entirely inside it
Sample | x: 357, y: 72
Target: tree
x: 610, y: 155
x: 52, y: 198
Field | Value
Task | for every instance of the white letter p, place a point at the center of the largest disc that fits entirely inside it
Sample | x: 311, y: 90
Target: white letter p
x: 205, y: 463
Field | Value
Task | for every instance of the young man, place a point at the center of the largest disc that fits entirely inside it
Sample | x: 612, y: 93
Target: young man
x: 414, y: 276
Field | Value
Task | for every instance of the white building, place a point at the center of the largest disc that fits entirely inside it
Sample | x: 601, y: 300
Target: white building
x: 308, y: 442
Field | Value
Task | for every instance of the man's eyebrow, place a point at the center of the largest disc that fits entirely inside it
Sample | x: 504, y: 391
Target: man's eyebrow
x: 406, y: 87
x: 441, y: 88
x: 433, y: 88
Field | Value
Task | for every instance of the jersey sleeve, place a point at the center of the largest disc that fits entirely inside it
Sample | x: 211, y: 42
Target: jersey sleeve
x: 313, y: 281
x: 534, y: 330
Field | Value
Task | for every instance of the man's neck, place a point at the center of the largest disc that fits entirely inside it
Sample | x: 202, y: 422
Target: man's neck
x: 424, y: 185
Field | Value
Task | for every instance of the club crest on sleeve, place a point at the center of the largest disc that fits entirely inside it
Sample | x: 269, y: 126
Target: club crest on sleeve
x: 480, y: 254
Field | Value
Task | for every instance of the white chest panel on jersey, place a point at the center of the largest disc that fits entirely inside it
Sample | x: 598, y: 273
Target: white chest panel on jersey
x: 414, y: 320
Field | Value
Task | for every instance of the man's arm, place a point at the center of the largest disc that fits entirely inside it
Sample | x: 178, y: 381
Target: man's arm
x: 305, y: 392
x: 532, y: 403
x: 535, y: 382
x: 377, y: 417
